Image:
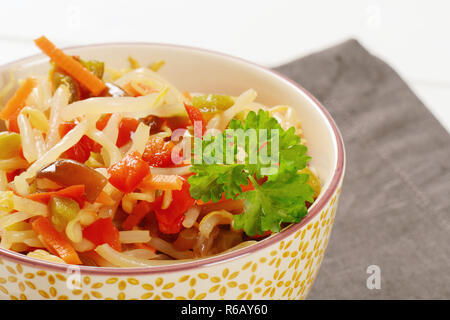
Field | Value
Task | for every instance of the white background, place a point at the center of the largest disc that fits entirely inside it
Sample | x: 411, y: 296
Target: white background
x: 412, y: 36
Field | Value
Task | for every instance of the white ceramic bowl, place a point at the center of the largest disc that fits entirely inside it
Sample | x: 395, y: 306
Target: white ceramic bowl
x: 282, y: 266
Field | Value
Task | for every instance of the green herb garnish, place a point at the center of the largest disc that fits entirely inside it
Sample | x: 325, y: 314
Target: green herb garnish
x: 282, y: 195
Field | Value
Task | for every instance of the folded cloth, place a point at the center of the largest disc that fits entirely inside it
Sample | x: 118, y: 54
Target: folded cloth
x: 394, y: 211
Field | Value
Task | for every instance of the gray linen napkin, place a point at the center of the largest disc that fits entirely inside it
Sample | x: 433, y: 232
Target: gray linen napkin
x: 394, y: 210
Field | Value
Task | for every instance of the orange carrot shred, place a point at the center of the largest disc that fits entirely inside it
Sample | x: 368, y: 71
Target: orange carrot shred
x: 187, y: 95
x: 130, y: 90
x: 105, y: 199
x: 55, y: 242
x: 162, y: 182
x: 71, y: 66
x: 17, y: 101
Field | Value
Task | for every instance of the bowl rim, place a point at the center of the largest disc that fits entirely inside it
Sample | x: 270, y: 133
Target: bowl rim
x: 315, y: 209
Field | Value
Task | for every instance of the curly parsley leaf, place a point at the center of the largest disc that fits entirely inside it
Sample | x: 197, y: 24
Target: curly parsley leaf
x: 211, y: 181
x: 281, y: 198
x: 291, y: 154
x: 273, y: 203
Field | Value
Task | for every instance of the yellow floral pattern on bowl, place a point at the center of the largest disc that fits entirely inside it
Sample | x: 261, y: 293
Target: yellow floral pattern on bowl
x: 283, y: 270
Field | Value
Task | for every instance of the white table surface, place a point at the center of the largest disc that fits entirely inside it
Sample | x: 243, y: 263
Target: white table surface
x: 412, y: 36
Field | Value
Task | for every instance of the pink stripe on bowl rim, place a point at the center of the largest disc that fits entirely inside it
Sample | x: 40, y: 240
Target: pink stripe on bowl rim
x: 314, y: 210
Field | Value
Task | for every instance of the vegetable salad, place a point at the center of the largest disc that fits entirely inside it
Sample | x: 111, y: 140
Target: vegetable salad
x: 118, y: 168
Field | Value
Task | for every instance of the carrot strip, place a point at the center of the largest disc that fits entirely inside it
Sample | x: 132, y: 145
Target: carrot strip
x: 136, y: 89
x: 17, y: 101
x: 187, y: 95
x: 105, y: 199
x: 162, y: 182
x: 56, y: 243
x: 71, y: 66
x: 130, y: 90
x: 75, y: 192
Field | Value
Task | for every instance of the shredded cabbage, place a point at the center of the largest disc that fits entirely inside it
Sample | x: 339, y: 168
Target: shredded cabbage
x: 111, y: 154
x: 243, y: 102
x: 34, y: 242
x: 129, y: 200
x: 13, y: 164
x: 41, y: 148
x: 68, y: 141
x: 37, y: 118
x: 112, y: 128
x: 151, y: 77
x: 148, y: 104
x: 27, y: 137
x: 190, y: 217
x: 9, y: 85
x: 59, y: 100
x: 3, y: 180
x: 134, y: 236
x: 168, y: 248
x: 180, y: 171
x: 140, y: 138
x: 40, y: 96
x: 20, y: 236
x: 13, y: 218
x: 212, y: 220
x: 44, y: 255
x: 140, y: 253
x: 29, y: 206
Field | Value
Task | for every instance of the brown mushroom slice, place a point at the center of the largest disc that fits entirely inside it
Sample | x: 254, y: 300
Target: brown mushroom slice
x: 69, y: 172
